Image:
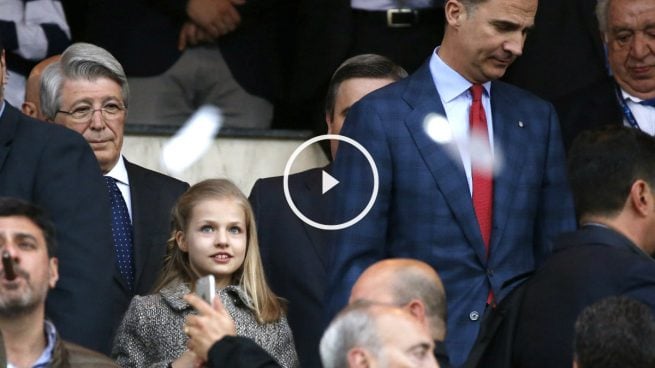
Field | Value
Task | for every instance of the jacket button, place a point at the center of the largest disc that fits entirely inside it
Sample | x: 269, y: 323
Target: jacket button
x: 474, y: 316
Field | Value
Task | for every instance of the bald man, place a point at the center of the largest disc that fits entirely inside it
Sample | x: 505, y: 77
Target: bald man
x: 32, y: 105
x: 409, y: 284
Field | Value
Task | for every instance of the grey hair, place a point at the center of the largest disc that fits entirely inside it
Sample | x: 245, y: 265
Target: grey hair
x: 354, y: 326
x: 79, y: 61
x: 602, y: 11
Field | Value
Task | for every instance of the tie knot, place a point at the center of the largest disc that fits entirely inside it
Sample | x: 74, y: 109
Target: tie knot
x: 476, y: 92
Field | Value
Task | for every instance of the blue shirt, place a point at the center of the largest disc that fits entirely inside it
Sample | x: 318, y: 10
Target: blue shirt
x: 50, y: 334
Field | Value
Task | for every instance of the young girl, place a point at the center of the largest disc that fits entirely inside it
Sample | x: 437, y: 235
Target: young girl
x: 213, y: 233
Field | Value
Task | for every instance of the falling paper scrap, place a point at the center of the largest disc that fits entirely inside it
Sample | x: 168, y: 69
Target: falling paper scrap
x: 192, y: 140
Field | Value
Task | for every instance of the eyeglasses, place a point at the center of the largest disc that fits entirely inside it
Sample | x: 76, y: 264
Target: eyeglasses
x: 83, y: 114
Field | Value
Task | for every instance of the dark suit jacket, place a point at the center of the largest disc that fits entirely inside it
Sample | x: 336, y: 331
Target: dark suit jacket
x: 424, y: 209
x: 55, y: 168
x: 153, y: 196
x: 589, y: 108
x: 293, y: 254
x: 588, y: 265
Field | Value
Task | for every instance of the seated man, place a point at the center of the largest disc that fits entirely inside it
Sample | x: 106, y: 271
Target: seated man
x: 611, y: 176
x: 412, y: 285
x: 613, y: 333
x: 376, y: 335
x: 27, y: 239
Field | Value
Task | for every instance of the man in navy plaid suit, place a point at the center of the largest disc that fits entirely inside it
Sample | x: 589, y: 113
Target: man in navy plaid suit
x: 426, y: 206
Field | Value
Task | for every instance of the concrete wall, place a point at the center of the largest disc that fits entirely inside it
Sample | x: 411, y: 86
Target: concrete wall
x: 242, y: 160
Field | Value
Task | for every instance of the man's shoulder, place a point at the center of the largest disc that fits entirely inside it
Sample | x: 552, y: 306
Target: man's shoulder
x: 37, y: 131
x: 274, y: 183
x: 516, y: 94
x: 83, y: 357
x: 151, y: 176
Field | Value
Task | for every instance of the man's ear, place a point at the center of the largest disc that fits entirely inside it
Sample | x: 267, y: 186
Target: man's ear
x: 358, y: 358
x: 641, y: 197
x: 29, y: 109
x: 328, y: 122
x: 455, y: 13
x: 53, y: 272
x: 417, y: 309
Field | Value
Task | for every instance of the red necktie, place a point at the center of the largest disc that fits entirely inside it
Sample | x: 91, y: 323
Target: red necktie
x: 483, y: 185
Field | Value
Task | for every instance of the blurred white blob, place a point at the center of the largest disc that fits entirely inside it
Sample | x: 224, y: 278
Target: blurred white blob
x: 192, y: 140
x: 437, y: 127
x: 481, y: 156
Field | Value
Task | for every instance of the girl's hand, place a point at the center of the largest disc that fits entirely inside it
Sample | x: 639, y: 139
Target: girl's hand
x: 209, y: 326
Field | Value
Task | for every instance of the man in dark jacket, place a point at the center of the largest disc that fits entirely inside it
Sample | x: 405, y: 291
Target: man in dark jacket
x: 611, y: 175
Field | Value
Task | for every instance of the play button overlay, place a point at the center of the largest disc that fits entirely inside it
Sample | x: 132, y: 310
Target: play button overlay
x: 328, y: 182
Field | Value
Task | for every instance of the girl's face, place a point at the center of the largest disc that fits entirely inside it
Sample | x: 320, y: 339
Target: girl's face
x: 215, y: 238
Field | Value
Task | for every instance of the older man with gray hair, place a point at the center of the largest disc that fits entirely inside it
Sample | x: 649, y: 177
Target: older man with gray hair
x: 627, y: 95
x: 375, y: 335
x: 87, y: 91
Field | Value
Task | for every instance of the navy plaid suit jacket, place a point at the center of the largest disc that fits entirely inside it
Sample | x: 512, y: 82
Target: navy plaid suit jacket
x: 424, y: 209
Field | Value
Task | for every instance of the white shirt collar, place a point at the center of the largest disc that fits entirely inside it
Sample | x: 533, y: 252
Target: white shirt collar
x: 119, y: 172
x: 450, y: 83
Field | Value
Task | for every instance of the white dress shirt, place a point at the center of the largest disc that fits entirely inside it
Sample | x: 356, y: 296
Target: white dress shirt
x: 645, y: 115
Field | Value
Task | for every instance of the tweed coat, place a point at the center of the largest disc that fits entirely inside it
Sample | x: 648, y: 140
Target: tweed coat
x: 151, y: 334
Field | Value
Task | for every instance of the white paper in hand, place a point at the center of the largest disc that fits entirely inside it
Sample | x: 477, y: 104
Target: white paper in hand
x: 192, y: 140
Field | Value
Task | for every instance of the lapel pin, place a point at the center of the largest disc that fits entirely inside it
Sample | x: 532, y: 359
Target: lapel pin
x: 520, y: 124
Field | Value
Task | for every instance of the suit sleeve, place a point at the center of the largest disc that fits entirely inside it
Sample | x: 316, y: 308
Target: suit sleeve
x: 238, y: 351
x: 356, y: 247
x: 556, y: 212
x: 71, y: 187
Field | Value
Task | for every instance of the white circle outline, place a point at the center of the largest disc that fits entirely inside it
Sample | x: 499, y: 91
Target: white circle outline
x: 354, y: 220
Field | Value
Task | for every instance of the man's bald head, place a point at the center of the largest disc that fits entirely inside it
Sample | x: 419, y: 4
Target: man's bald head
x: 407, y: 283
x: 32, y: 105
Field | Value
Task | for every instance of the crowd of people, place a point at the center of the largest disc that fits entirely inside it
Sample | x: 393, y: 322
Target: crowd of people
x: 507, y: 230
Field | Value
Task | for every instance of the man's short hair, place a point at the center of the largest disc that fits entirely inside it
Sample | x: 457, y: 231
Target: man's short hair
x: 602, y: 12
x: 604, y: 163
x: 13, y: 207
x: 79, y: 61
x: 615, y: 332
x: 361, y: 66
x: 354, y: 326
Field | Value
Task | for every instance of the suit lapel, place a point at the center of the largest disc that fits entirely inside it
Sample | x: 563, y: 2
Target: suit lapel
x: 509, y: 145
x: 448, y: 173
x: 8, y: 122
x: 141, y: 197
x: 307, y: 199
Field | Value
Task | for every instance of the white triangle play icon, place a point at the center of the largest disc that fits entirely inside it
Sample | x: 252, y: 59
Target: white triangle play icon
x: 328, y: 182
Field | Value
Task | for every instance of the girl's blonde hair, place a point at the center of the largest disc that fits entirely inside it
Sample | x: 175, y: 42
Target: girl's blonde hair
x: 250, y: 276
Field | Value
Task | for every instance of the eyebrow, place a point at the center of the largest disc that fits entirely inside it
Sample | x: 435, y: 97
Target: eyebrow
x: 18, y: 236
x: 103, y: 100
